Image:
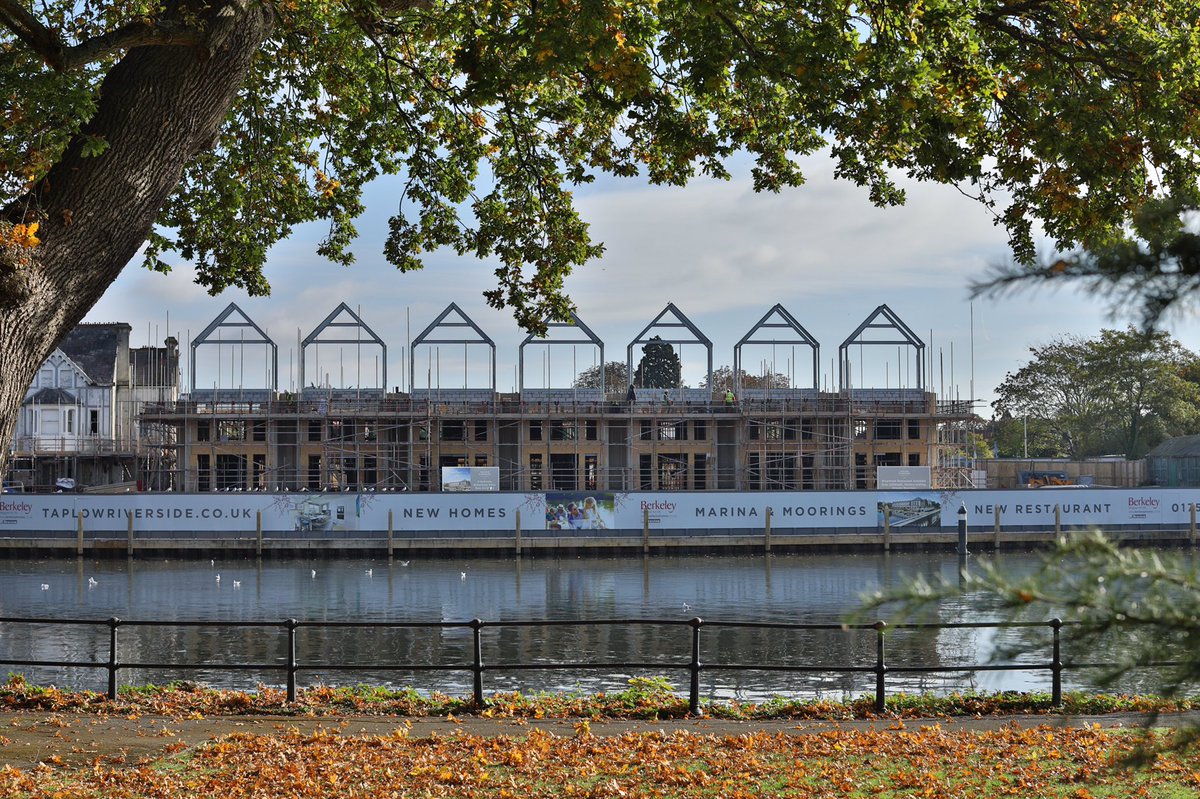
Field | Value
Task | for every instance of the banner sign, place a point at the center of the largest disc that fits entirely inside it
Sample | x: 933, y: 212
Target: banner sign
x: 903, y: 477
x: 470, y: 478
x: 303, y: 513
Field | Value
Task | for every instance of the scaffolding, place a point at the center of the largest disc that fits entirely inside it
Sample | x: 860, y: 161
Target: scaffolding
x: 324, y: 437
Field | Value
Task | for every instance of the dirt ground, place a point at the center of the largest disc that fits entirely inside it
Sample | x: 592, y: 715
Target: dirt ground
x: 27, y: 738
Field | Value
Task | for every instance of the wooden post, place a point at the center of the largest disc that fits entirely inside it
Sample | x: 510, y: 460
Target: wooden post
x: 258, y: 533
x: 79, y: 533
x: 887, y: 528
x: 996, y: 531
x: 1057, y: 521
x: 129, y: 531
x: 645, y: 531
x: 767, y: 531
x: 390, y: 545
x: 518, y: 532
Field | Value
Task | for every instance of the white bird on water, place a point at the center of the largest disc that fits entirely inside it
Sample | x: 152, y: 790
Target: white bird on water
x: 370, y: 572
x: 237, y: 584
x: 218, y: 578
x: 462, y: 575
x: 686, y: 606
x: 404, y: 563
x: 45, y: 586
x: 92, y: 582
x: 314, y: 573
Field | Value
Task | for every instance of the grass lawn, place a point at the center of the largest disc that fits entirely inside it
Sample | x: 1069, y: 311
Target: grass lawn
x: 910, y: 762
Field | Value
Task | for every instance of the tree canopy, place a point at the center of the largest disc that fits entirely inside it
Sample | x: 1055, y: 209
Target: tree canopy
x: 1076, y: 114
x: 616, y: 376
x: 659, y: 366
x: 723, y: 377
x: 1122, y: 392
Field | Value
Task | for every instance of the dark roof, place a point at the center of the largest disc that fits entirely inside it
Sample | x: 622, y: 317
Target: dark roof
x: 155, y: 366
x: 51, y: 396
x: 93, y: 347
x: 1180, y: 447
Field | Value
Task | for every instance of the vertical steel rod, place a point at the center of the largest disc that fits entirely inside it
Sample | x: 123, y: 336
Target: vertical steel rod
x: 694, y: 669
x: 880, y: 668
x: 1056, y: 666
x: 291, y: 624
x: 113, y: 623
x: 477, y: 666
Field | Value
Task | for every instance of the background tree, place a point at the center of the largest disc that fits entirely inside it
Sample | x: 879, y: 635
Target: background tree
x: 1058, y: 387
x: 1144, y: 377
x: 723, y: 376
x: 616, y: 376
x: 1022, y: 436
x: 1122, y: 392
x: 659, y: 366
x: 210, y: 128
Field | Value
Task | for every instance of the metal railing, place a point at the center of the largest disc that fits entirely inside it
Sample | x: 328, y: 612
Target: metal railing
x: 477, y: 667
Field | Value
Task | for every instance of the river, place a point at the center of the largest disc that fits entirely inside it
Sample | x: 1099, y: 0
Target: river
x: 778, y: 588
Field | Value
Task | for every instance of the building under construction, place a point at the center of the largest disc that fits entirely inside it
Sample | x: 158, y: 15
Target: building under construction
x: 80, y: 425
x: 614, y: 438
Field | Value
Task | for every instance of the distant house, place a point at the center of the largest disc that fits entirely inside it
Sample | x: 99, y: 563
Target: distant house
x: 79, y: 418
x: 1175, y: 463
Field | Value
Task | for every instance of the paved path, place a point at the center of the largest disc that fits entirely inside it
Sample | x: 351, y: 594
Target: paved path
x: 27, y: 738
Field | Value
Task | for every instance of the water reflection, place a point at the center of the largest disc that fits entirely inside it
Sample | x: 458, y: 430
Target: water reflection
x: 780, y: 588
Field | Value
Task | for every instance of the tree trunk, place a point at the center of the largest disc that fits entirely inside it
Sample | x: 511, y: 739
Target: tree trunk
x: 158, y: 108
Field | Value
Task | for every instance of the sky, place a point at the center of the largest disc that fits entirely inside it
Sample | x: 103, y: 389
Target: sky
x: 721, y: 253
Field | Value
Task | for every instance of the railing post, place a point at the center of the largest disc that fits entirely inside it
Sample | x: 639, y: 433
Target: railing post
x: 962, y: 530
x: 477, y: 666
x: 291, y: 625
x: 391, y: 536
x: 1191, y: 527
x: 645, y: 531
x: 518, y: 532
x: 1057, y: 522
x: 767, y: 531
x: 129, y: 532
x: 113, y: 623
x: 996, y: 530
x: 694, y: 669
x: 258, y: 533
x: 79, y: 533
x: 1056, y: 666
x: 880, y: 668
x: 887, y: 528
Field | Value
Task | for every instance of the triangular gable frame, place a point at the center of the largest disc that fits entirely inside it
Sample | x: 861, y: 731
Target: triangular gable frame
x: 440, y: 322
x: 575, y: 323
x: 789, y: 323
x: 315, y: 337
x: 681, y: 320
x: 894, y: 322
x: 74, y: 365
x: 221, y: 323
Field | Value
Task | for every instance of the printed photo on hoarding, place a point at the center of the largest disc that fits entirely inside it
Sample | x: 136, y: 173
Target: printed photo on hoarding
x: 580, y: 510
x: 911, y: 510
